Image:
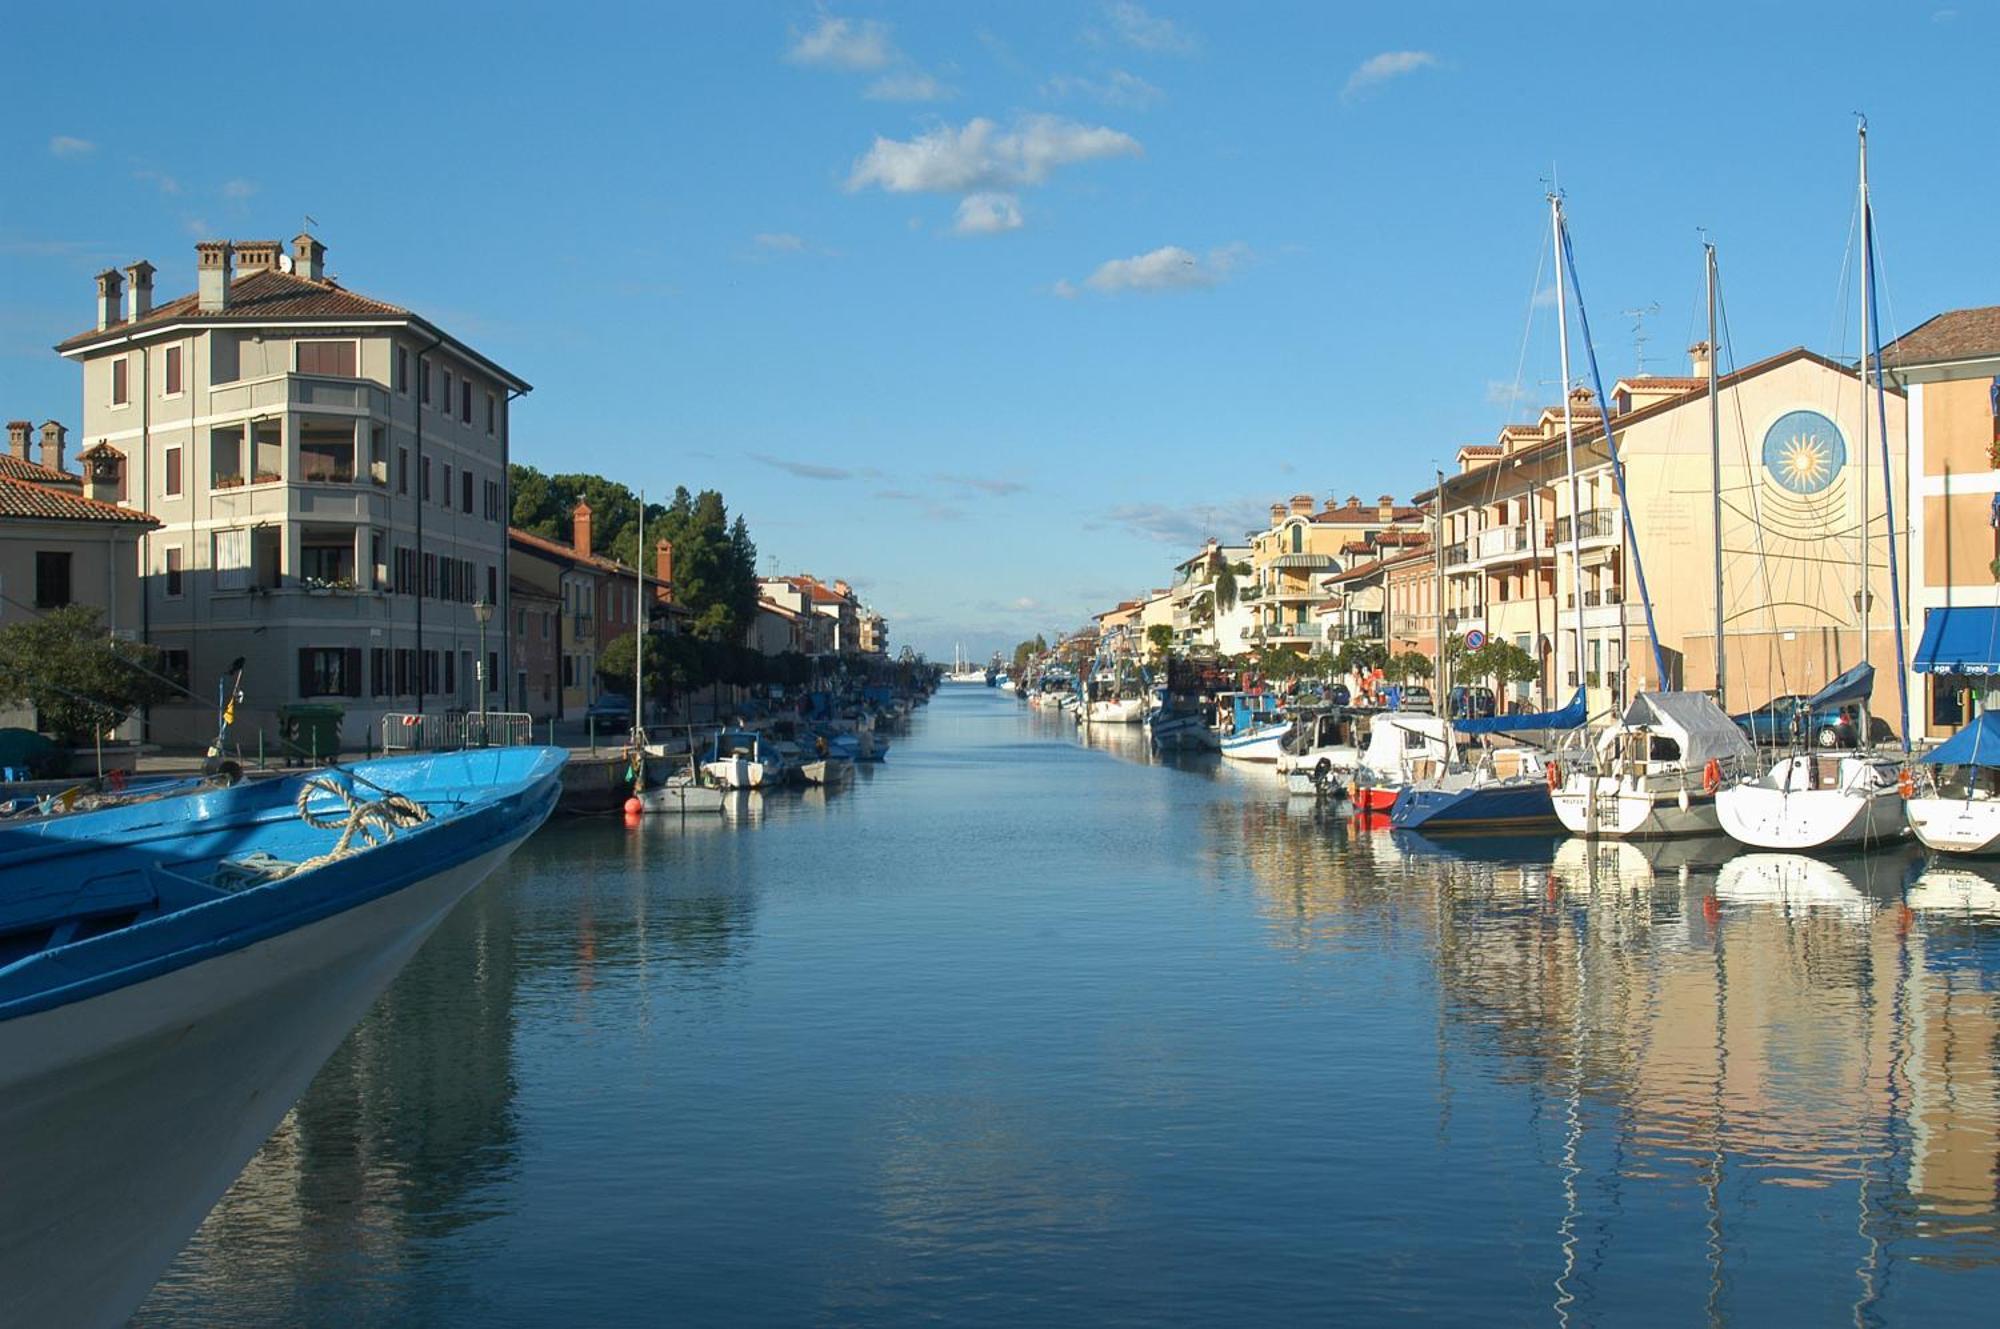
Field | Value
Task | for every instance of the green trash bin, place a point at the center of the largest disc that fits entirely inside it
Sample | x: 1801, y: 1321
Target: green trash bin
x: 311, y: 732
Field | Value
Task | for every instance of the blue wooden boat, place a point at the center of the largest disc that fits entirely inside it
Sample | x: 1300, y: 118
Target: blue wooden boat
x: 173, y: 973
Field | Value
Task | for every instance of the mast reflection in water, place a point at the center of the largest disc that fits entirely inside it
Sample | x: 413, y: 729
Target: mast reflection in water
x: 1030, y: 1026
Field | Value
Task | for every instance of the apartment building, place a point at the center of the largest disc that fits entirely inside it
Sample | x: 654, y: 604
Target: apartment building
x: 1303, y: 545
x: 586, y: 600
x: 329, y: 473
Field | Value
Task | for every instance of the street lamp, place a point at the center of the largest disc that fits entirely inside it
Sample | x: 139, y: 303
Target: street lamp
x: 484, y: 613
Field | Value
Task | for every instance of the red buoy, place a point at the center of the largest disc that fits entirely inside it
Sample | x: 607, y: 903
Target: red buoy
x: 633, y: 807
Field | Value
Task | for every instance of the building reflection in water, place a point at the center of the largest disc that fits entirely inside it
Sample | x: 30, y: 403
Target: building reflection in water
x: 1733, y: 1043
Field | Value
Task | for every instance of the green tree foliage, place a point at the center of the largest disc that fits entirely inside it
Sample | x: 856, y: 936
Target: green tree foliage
x: 1029, y: 649
x: 1160, y: 638
x: 1497, y: 663
x: 1408, y: 665
x: 81, y: 680
x: 1360, y: 657
x: 676, y: 665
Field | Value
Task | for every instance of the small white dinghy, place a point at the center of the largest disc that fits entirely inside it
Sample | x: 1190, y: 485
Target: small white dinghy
x: 828, y: 771
x: 682, y: 793
x: 1953, y: 802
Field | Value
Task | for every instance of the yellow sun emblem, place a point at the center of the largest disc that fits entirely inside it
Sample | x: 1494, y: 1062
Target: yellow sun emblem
x: 1806, y: 462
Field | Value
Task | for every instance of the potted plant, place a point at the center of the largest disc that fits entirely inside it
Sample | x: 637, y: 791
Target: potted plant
x: 267, y: 477
x: 229, y: 480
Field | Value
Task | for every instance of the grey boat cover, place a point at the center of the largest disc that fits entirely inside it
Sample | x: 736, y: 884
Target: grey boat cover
x: 1703, y: 729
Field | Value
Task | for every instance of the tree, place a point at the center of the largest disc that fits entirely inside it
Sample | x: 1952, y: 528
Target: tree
x: 1224, y: 587
x: 1408, y: 665
x: 1361, y: 657
x: 1160, y: 638
x: 81, y: 681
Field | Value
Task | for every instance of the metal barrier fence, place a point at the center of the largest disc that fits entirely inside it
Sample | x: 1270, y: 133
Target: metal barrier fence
x: 449, y: 730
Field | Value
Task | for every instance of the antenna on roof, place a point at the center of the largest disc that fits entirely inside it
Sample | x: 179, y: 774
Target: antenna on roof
x: 310, y: 219
x: 1639, y: 337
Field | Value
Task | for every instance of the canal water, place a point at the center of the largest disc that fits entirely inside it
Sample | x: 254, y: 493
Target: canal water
x: 1025, y: 1028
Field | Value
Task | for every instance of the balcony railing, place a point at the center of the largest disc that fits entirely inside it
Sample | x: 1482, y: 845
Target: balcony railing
x: 1594, y: 524
x: 1454, y: 555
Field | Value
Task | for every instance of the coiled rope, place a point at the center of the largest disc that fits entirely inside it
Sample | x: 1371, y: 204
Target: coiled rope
x: 372, y: 823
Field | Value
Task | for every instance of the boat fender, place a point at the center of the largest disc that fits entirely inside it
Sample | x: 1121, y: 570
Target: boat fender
x: 1555, y: 774
x: 1711, y: 777
x: 1906, y: 783
x: 1684, y: 799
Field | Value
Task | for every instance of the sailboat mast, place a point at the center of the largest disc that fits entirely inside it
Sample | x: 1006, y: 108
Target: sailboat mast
x: 1437, y: 601
x: 639, y: 629
x: 1715, y: 481
x: 1569, y: 437
x: 1867, y: 312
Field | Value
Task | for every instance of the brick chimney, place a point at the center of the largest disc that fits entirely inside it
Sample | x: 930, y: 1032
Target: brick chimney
x: 580, y: 527
x: 308, y: 257
x: 52, y: 445
x: 110, y: 285
x: 257, y: 255
x: 663, y: 566
x: 1698, y: 360
x: 1302, y: 505
x: 214, y: 268
x: 1385, y: 507
x: 1277, y: 513
x: 139, y: 291
x: 17, y: 437
x: 843, y: 590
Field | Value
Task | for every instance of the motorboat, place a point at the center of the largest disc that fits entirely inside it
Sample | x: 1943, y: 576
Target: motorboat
x: 1323, y: 752
x: 1953, y: 802
x: 827, y: 771
x: 1402, y: 749
x: 173, y: 974
x: 744, y: 759
x: 1181, y: 724
x: 1656, y: 772
x: 1253, y: 727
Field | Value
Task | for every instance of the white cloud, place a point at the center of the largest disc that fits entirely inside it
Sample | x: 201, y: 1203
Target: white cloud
x: 1544, y: 298
x: 1064, y: 290
x: 160, y: 180
x: 238, y: 189
x: 63, y: 145
x: 839, y: 43
x: 987, y: 214
x: 1027, y: 602
x: 1167, y: 268
x: 981, y: 156
x: 1143, y: 31
x: 1379, y: 69
x: 907, y: 85
x: 780, y: 242
x: 1502, y: 392
x: 1118, y: 88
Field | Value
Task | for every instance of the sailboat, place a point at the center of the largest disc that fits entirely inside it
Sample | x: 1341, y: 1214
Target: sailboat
x: 1507, y: 788
x: 1954, y: 803
x: 962, y: 669
x: 1810, y: 800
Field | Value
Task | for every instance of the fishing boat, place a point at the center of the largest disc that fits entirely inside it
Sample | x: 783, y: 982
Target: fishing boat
x: 744, y: 759
x: 1953, y: 802
x: 1253, y: 727
x: 1320, y: 758
x: 173, y: 973
x: 1656, y: 772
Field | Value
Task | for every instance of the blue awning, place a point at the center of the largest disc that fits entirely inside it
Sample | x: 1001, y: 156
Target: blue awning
x: 1959, y: 641
x: 1569, y: 717
x: 1978, y: 744
x: 1854, y: 685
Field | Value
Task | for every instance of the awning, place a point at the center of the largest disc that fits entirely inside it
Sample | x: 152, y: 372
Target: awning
x: 1313, y: 562
x: 1959, y: 641
x: 1978, y: 744
x: 1569, y: 717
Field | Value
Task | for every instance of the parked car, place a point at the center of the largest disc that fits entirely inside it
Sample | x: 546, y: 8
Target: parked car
x: 609, y: 709
x: 1471, y: 703
x: 1415, y: 698
x: 1782, y: 719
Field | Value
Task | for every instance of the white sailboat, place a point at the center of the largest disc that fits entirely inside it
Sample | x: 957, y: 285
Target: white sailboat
x: 1817, y: 801
x: 963, y: 670
x: 1954, y: 803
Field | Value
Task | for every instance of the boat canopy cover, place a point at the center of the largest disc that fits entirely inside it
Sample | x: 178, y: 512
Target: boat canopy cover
x: 1703, y: 729
x: 1854, y: 685
x: 1978, y: 744
x: 1959, y: 641
x: 1571, y: 716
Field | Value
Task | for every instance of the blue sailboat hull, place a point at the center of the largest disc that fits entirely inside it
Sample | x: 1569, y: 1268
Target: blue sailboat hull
x: 1508, y: 806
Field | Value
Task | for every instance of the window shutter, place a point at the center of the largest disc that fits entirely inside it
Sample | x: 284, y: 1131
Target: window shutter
x: 305, y: 673
x: 353, y: 671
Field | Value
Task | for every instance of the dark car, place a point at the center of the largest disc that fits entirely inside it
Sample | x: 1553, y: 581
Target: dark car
x: 1471, y: 703
x: 610, y: 709
x: 1783, y: 720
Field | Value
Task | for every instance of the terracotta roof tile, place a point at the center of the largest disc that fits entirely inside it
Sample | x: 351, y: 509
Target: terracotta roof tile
x: 14, y: 468
x: 267, y: 295
x: 1959, y: 334
x: 35, y: 502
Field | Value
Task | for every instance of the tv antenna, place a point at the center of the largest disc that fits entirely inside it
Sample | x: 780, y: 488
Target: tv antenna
x: 1639, y: 337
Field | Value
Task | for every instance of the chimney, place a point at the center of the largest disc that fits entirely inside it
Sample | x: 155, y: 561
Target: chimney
x: 102, y: 466
x: 1302, y: 505
x: 308, y: 257
x: 52, y: 445
x: 580, y: 527
x: 1277, y: 513
x: 1698, y: 360
x: 17, y: 437
x: 213, y: 264
x: 1385, y: 507
x: 139, y: 294
x: 843, y: 590
x: 1353, y: 503
x: 257, y: 256
x: 109, y: 287
x: 663, y: 566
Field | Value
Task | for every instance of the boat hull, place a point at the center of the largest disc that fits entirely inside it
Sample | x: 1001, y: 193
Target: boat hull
x: 1604, y: 807
x: 1764, y: 817
x: 1502, y: 805
x: 1969, y: 827
x: 737, y: 773
x: 682, y: 796
x: 126, y: 1115
x: 1125, y: 710
x: 1261, y: 745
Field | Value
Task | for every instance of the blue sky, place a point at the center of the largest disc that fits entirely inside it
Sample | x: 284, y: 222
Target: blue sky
x: 996, y: 309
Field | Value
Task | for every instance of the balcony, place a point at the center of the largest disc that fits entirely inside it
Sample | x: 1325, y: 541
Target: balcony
x: 1503, y: 543
x: 1454, y: 555
x: 1595, y: 524
x: 1408, y: 625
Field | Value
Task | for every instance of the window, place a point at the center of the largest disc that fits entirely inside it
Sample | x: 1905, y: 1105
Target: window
x: 174, y: 667
x: 173, y: 372
x: 402, y: 470
x: 51, y: 579
x: 378, y: 671
x: 225, y: 452
x: 445, y: 497
x: 174, y: 472
x: 174, y: 575
x: 424, y: 381
x: 569, y: 671
x: 231, y: 560
x: 1947, y: 701
x: 492, y: 670
x: 326, y: 449
x: 492, y: 584
x: 403, y: 370
x: 378, y: 453
x: 520, y: 621
x: 492, y: 412
x: 465, y: 401
x: 430, y: 576
x: 424, y: 482
x: 326, y: 562
x: 465, y: 504
x: 330, y: 671
x: 120, y: 371
x: 548, y: 621
x: 430, y: 671
x: 450, y: 677
x: 445, y: 405
x: 335, y: 358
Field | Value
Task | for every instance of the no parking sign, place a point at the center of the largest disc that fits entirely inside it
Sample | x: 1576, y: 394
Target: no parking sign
x: 1474, y: 640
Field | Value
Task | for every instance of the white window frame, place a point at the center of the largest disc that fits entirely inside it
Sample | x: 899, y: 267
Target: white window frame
x: 116, y: 361
x: 166, y: 571
x: 167, y: 471
x: 165, y: 353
